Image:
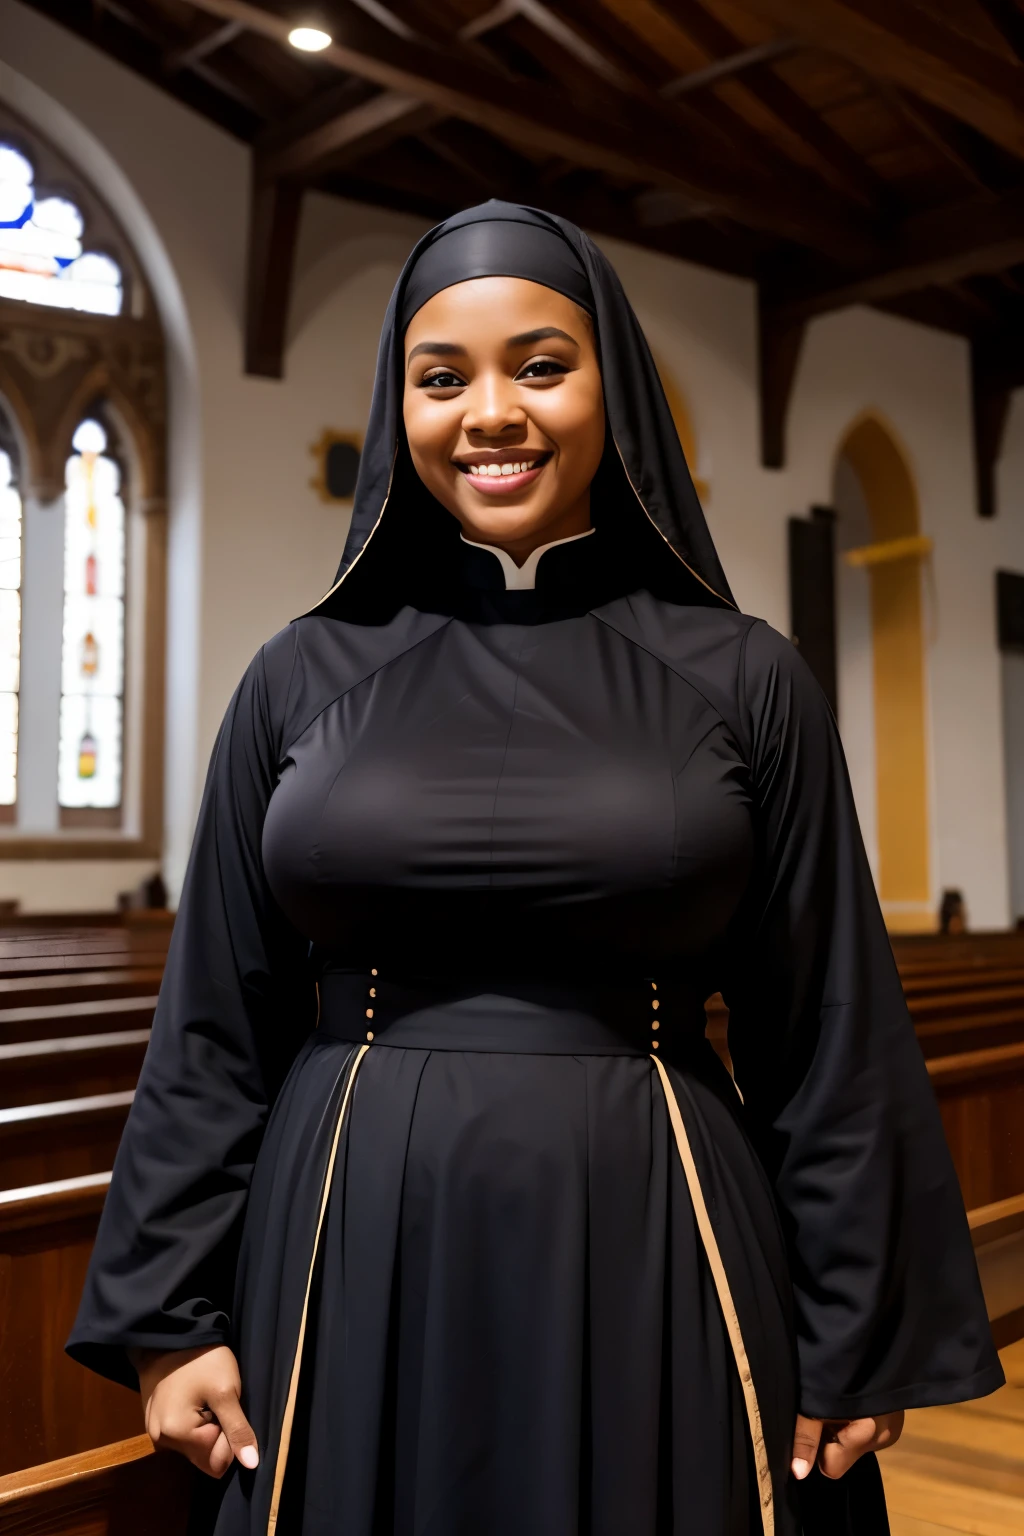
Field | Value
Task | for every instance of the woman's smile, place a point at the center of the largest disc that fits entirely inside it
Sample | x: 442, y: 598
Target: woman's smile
x: 504, y: 472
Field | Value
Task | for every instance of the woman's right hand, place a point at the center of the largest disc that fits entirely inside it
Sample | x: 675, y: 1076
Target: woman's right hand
x: 191, y: 1402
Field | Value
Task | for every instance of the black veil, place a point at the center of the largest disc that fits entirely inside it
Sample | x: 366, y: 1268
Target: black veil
x: 643, y: 493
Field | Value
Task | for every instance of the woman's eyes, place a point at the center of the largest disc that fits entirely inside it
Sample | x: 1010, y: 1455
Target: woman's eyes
x: 537, y: 368
x: 542, y: 368
x: 443, y: 378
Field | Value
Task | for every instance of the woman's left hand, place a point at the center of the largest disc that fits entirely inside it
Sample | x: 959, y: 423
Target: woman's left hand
x: 837, y: 1443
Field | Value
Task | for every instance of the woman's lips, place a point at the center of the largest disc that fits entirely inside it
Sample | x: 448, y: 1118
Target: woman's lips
x: 500, y: 484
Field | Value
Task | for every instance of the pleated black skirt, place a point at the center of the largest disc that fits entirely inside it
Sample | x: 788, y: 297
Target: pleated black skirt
x: 474, y: 1298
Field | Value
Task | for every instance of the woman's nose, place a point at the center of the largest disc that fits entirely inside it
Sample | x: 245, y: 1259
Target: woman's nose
x: 491, y: 406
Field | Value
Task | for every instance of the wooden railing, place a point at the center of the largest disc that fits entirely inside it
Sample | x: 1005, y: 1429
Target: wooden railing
x: 123, y: 1489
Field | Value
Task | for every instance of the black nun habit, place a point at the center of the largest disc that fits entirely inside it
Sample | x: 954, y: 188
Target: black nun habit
x: 429, y: 1131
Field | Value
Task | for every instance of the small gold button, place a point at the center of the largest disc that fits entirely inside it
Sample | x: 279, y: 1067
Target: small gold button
x: 369, y: 1034
x: 369, y: 1013
x: 373, y: 991
x: 655, y: 1004
x: 654, y: 1023
x: 373, y: 973
x: 654, y: 1045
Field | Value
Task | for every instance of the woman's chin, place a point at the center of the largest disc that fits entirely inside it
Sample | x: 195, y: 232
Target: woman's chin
x: 494, y: 524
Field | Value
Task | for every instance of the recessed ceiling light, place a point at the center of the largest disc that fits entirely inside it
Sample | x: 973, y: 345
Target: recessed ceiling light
x: 309, y: 39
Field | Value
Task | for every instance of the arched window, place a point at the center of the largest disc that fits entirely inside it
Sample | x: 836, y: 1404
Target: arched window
x: 82, y: 520
x: 10, y: 632
x: 92, y: 653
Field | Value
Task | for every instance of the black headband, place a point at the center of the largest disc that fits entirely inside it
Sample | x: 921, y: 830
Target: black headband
x: 496, y: 248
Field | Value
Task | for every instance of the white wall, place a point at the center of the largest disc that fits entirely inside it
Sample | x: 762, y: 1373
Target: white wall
x: 252, y: 545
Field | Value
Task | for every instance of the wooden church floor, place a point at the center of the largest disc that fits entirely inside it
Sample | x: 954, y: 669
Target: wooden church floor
x: 961, y: 1469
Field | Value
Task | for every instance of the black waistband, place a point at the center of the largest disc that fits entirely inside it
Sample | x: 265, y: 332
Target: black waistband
x: 532, y: 1017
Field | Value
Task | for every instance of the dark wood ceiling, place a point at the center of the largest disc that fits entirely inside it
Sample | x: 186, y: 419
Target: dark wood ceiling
x: 835, y: 151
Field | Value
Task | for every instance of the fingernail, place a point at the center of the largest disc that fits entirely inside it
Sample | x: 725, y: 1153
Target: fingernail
x: 249, y: 1456
x: 800, y: 1468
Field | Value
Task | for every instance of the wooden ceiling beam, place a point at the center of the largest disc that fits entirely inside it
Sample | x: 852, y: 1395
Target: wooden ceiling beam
x: 465, y: 166
x: 938, y: 308
x: 212, y: 37
x: 735, y: 133
x: 836, y: 161
x: 233, y: 78
x: 942, y: 246
x: 727, y: 68
x: 997, y: 369
x: 274, y: 214
x: 359, y: 131
x: 902, y: 42
x: 975, y: 158
x: 1008, y: 20
x: 628, y: 139
x: 786, y: 105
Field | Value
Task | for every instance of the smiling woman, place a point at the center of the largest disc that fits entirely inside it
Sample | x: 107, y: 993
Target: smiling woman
x: 436, y: 1214
x: 505, y: 416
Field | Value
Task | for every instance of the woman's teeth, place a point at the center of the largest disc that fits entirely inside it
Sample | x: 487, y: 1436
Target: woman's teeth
x: 499, y: 469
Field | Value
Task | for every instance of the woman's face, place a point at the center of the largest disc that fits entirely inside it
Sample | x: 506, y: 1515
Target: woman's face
x: 504, y: 410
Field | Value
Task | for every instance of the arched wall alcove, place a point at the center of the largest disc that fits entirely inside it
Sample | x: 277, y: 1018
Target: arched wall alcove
x: 898, y: 824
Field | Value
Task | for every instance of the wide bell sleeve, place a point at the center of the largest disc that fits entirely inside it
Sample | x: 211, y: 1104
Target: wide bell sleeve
x: 235, y: 1003
x: 889, y: 1307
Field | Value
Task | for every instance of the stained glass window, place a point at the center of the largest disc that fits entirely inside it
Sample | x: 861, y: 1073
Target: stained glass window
x: 41, y: 255
x: 92, y: 658
x: 10, y: 628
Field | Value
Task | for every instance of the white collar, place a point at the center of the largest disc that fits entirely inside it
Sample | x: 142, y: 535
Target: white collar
x: 523, y: 578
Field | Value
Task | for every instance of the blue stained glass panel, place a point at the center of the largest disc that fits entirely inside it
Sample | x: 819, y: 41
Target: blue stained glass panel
x: 41, y: 256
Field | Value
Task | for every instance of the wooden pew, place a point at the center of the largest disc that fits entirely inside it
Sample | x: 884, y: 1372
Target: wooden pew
x: 49, y: 1405
x: 34, y: 1071
x: 89, y: 1016
x: 62, y: 1139
x: 930, y: 949
x: 981, y: 1100
x: 997, y: 1232
x: 78, y: 986
x: 123, y: 1489
x: 75, y: 1014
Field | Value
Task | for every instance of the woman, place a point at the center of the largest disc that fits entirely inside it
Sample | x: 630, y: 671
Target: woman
x: 508, y: 1253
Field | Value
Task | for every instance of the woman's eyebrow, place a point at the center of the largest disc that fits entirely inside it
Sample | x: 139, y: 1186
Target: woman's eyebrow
x: 543, y: 333
x: 439, y: 349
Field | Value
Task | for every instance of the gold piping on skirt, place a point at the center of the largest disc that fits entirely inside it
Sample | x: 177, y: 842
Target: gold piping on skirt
x: 732, y: 1322
x: 718, y: 1275
x: 284, y: 1440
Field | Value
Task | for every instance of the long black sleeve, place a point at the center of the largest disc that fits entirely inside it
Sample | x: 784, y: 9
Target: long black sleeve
x: 889, y: 1307
x: 234, y: 1006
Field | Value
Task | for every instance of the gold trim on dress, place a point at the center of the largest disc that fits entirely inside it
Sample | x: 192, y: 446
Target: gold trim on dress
x: 732, y: 1322
x: 284, y: 1439
x: 706, y: 584
x: 366, y: 543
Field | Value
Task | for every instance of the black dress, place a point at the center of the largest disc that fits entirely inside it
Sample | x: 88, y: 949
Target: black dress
x: 429, y: 1131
